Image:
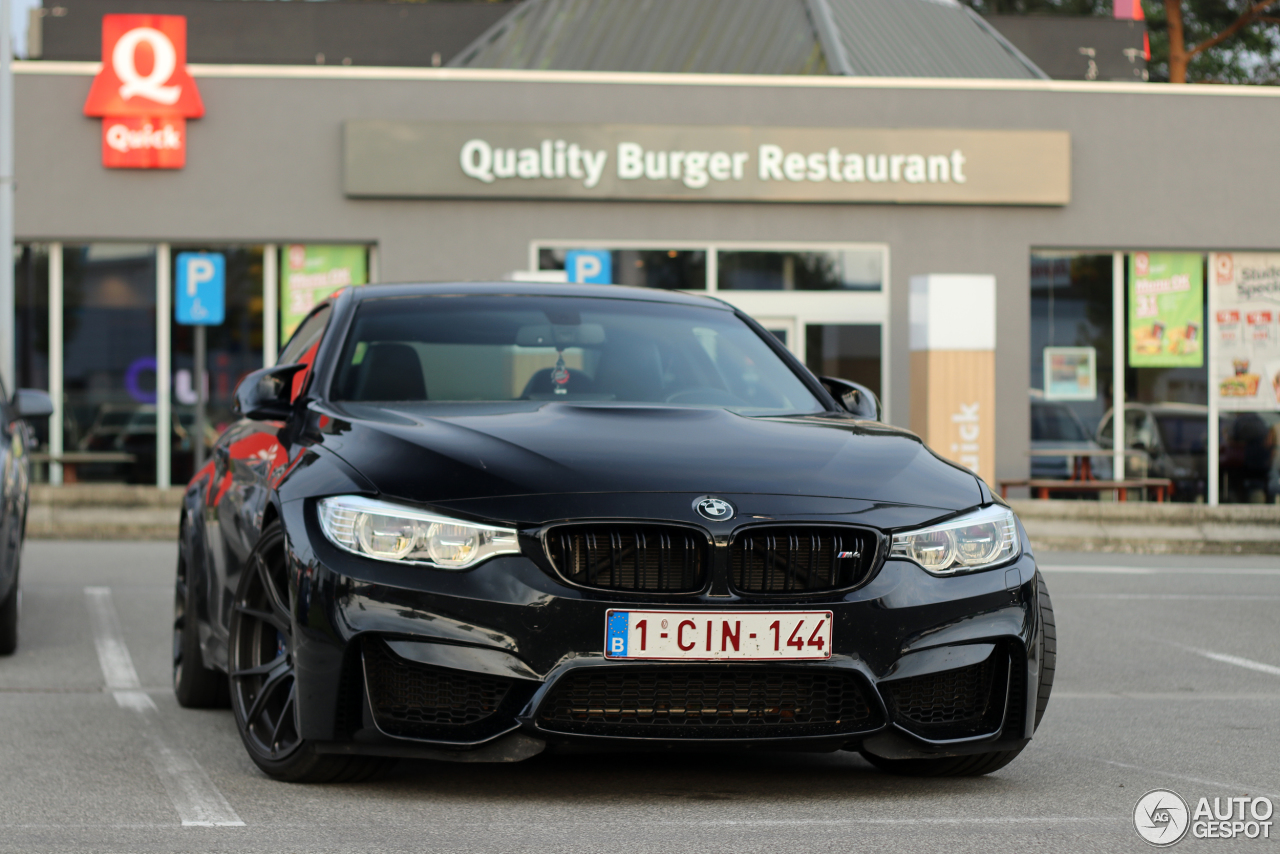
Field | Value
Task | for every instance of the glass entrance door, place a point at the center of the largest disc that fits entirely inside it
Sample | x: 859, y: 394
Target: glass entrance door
x: 784, y: 329
x: 828, y: 303
x: 850, y: 351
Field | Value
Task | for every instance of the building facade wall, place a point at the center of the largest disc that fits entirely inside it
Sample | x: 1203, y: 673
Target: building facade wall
x: 265, y: 165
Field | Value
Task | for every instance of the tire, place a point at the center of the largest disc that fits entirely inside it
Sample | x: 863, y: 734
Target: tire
x: 977, y: 764
x: 263, y: 686
x: 9, y: 618
x: 1048, y: 648
x: 195, y: 686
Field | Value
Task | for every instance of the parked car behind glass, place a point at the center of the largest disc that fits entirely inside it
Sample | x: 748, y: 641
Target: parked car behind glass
x: 1055, y: 425
x: 1175, y: 437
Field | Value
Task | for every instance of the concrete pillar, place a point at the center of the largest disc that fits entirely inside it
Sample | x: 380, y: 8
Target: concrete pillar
x: 953, y: 388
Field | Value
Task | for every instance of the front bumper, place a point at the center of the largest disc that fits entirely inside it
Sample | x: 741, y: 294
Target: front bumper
x: 504, y: 643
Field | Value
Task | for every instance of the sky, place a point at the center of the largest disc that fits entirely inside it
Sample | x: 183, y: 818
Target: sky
x: 19, y: 15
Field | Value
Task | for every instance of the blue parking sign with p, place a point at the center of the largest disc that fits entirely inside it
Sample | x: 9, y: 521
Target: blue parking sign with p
x: 589, y: 266
x: 201, y: 288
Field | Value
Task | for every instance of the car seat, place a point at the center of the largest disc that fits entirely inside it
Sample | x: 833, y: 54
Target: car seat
x: 390, y: 371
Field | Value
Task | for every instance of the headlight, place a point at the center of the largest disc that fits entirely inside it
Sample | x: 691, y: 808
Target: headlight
x: 978, y: 540
x: 386, y: 531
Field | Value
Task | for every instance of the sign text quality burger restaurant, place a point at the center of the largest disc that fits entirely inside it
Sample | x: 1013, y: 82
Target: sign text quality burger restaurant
x: 408, y: 159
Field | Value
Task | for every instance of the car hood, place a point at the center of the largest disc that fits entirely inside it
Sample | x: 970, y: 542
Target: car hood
x: 435, y: 453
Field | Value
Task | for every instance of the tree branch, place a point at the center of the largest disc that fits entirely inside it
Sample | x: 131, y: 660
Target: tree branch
x: 1247, y: 17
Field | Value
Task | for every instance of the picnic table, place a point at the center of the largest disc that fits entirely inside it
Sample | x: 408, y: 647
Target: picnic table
x: 69, y: 460
x: 1082, y: 479
x: 1080, y: 460
x: 1042, y: 487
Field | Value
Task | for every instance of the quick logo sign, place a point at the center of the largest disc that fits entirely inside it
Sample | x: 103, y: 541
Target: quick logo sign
x: 143, y: 93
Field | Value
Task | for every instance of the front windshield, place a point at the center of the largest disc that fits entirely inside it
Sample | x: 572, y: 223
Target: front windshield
x: 568, y: 349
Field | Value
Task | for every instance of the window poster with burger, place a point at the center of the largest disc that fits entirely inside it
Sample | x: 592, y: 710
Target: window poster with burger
x: 1246, y: 337
x: 1166, y: 310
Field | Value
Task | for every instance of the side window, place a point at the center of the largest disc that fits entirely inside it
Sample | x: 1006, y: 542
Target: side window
x: 303, y: 345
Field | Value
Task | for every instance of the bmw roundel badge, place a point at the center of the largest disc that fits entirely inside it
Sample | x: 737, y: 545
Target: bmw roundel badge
x: 715, y: 509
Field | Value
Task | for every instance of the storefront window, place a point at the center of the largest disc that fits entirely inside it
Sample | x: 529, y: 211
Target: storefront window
x: 1072, y: 367
x: 847, y: 351
x: 667, y: 269
x: 1071, y: 358
x: 233, y: 349
x: 109, y: 358
x: 849, y: 270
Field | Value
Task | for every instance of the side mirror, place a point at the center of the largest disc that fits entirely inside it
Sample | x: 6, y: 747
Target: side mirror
x: 854, y: 397
x: 32, y: 403
x: 266, y: 395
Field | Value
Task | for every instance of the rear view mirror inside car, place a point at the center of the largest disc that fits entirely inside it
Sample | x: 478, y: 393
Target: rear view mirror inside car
x: 555, y: 335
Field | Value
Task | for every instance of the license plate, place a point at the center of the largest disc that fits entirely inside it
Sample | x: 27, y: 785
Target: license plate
x: 718, y: 635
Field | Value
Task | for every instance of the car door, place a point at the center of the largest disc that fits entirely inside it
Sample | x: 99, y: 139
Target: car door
x: 245, y: 459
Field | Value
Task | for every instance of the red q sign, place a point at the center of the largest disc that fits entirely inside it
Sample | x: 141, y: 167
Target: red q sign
x: 144, y: 92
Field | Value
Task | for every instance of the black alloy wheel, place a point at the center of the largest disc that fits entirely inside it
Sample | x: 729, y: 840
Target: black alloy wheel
x: 264, y: 693
x: 977, y: 764
x: 195, y: 686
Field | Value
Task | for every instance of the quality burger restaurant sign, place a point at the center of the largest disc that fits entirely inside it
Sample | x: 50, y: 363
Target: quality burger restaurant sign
x: 391, y: 159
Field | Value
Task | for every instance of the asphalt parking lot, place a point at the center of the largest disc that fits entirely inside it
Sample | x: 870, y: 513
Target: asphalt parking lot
x: 1168, y: 677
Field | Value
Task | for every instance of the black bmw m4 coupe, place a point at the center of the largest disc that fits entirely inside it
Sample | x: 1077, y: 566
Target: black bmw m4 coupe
x: 481, y: 521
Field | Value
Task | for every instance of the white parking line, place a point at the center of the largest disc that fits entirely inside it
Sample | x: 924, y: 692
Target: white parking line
x: 1106, y: 570
x: 839, y: 822
x: 1167, y: 696
x: 1246, y: 663
x: 1253, y: 790
x: 194, y: 796
x: 113, y: 655
x: 1170, y: 597
x: 1166, y: 570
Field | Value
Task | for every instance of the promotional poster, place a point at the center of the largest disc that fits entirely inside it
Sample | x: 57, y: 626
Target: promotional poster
x: 311, y: 273
x: 1166, y: 309
x: 1246, y: 337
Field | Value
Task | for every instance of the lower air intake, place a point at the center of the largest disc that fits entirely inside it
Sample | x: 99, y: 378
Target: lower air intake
x: 959, y: 703
x: 705, y: 703
x: 412, y: 700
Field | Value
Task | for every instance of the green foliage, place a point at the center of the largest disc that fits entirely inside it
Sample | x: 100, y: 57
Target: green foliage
x: 1250, y: 56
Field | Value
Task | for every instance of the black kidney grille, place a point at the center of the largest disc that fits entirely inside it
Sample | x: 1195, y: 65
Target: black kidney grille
x: 415, y: 700
x: 953, y: 703
x: 647, y: 558
x: 800, y: 559
x: 705, y: 703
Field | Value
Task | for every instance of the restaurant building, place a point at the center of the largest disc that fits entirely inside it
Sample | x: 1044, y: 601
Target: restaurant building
x: 880, y: 182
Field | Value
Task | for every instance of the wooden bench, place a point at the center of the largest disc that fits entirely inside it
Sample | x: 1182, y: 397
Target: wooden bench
x: 69, y: 460
x: 1041, y: 487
